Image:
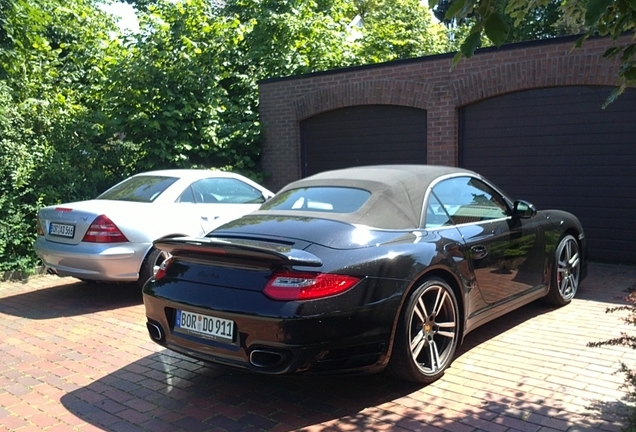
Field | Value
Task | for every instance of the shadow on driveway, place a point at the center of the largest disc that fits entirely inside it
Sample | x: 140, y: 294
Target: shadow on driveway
x: 159, y: 392
x: 504, y: 378
x: 72, y: 299
x: 171, y: 392
x: 167, y: 391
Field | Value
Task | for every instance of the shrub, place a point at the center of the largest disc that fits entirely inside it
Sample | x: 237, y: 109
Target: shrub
x: 629, y: 341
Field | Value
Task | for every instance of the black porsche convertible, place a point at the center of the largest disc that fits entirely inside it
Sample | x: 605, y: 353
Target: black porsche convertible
x: 359, y: 270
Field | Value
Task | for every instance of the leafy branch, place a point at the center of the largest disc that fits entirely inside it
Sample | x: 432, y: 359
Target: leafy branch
x: 611, y: 18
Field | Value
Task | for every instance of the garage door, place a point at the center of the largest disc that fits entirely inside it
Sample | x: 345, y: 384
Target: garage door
x: 363, y: 135
x: 557, y: 148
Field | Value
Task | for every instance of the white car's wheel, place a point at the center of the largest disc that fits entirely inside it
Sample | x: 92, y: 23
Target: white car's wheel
x: 151, y: 264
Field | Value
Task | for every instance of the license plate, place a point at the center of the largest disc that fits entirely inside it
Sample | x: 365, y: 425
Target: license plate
x: 205, y: 325
x: 61, y: 230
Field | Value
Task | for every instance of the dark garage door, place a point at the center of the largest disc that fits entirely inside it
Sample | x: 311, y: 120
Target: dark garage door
x: 557, y: 148
x: 363, y: 135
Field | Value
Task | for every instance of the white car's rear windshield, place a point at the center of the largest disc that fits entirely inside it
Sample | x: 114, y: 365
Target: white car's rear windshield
x: 139, y: 189
x: 323, y: 199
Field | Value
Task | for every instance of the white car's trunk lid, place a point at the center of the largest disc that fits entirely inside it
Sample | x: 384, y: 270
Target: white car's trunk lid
x: 139, y: 222
x: 68, y: 223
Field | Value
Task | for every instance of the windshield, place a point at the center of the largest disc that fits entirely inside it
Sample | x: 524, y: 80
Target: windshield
x: 139, y: 189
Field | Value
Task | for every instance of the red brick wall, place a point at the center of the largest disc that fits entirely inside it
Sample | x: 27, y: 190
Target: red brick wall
x: 427, y: 83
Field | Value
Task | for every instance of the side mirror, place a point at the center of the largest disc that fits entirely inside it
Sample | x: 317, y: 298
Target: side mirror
x: 524, y: 210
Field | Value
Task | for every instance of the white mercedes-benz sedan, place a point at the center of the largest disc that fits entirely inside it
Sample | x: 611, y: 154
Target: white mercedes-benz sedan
x: 110, y: 238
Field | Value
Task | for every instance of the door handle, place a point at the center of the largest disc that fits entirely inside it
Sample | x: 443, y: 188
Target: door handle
x: 479, y: 252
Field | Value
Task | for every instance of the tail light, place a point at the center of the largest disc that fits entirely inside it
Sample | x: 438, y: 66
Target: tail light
x: 286, y: 285
x: 38, y: 227
x: 163, y: 269
x: 103, y: 230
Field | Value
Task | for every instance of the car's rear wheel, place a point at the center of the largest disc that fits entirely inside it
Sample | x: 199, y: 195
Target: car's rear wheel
x: 151, y: 264
x: 427, y: 333
x: 566, y: 272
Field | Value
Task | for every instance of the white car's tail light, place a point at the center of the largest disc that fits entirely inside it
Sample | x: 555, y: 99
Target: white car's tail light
x: 163, y: 268
x: 39, y: 228
x: 103, y: 230
x: 286, y: 285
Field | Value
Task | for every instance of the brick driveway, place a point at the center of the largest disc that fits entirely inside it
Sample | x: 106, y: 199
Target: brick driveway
x: 77, y: 357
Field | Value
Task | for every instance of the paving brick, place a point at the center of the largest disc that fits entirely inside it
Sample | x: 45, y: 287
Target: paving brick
x: 85, y: 363
x: 416, y: 426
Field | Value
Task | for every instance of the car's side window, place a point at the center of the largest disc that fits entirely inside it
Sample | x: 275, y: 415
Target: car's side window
x: 187, y: 196
x: 436, y: 215
x: 468, y: 200
x: 139, y: 188
x: 221, y: 190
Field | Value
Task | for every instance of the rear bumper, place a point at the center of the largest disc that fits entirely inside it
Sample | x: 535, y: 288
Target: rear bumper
x: 350, y: 333
x: 347, y: 356
x: 93, y: 261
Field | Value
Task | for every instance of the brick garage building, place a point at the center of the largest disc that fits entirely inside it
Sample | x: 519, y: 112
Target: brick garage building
x: 528, y: 116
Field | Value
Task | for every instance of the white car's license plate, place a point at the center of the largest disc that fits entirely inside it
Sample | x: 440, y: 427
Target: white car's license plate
x: 61, y: 230
x: 205, y: 325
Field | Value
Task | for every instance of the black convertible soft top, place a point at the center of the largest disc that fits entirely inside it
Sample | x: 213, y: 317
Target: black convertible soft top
x: 397, y: 193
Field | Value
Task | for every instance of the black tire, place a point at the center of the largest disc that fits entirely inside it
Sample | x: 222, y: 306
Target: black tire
x: 566, y: 272
x: 427, y: 334
x: 151, y: 264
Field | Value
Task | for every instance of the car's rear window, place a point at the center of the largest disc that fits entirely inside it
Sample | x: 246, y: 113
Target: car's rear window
x: 139, y: 189
x: 321, y: 199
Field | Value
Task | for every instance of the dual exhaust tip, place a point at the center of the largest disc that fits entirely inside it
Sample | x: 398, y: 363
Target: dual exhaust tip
x: 268, y: 359
x: 156, y: 332
x: 260, y: 358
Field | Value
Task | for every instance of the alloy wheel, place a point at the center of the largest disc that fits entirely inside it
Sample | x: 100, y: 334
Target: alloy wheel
x: 568, y: 267
x: 433, y: 330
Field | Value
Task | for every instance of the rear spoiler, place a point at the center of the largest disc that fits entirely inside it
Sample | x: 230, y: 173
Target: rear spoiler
x: 254, y: 250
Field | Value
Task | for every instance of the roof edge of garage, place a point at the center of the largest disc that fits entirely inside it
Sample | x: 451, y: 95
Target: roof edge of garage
x: 510, y: 46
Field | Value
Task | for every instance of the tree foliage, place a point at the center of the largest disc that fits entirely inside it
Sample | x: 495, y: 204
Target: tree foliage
x: 52, y: 60
x: 187, y: 90
x: 627, y: 340
x: 498, y: 19
x: 84, y: 104
x: 166, y: 95
x: 186, y: 93
x: 397, y: 29
x: 542, y: 22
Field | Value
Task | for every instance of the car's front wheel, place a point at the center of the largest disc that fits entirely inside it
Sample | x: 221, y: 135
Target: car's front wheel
x: 151, y: 264
x: 566, y: 272
x: 427, y: 333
